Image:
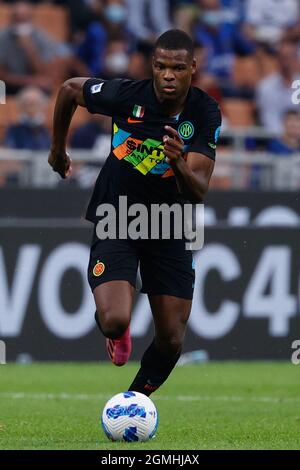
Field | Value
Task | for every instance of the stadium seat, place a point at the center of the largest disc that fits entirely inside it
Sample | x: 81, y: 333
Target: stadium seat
x: 4, y: 15
x: 239, y: 112
x: 52, y: 19
x: 246, y: 72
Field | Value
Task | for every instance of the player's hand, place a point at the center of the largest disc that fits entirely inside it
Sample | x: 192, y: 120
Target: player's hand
x: 60, y: 162
x: 173, y: 145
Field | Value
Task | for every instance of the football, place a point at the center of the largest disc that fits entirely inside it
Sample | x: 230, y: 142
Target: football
x: 130, y: 417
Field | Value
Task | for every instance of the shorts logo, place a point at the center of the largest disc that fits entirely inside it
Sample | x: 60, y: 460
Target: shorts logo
x: 98, y: 269
x: 186, y: 130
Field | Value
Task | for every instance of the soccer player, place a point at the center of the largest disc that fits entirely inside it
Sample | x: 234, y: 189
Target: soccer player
x: 163, y: 150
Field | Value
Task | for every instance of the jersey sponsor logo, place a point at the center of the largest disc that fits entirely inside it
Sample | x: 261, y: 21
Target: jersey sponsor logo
x: 145, y: 156
x: 96, y: 88
x: 126, y: 148
x: 138, y: 111
x: 186, y: 130
x: 133, y: 121
x: 98, y: 268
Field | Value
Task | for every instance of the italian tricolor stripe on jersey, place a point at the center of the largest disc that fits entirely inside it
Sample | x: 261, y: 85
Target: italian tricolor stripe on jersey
x: 138, y: 111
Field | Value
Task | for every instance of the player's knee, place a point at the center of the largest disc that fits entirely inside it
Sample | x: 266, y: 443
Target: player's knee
x: 169, y: 345
x: 114, y: 324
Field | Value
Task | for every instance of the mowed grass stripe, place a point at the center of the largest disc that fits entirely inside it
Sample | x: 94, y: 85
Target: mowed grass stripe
x: 210, y: 406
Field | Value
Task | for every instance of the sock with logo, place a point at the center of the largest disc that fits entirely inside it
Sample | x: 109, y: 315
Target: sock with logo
x: 155, y: 369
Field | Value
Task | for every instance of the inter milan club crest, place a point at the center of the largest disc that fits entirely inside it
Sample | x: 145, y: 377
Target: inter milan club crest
x: 98, y: 269
x: 138, y: 111
x: 186, y: 130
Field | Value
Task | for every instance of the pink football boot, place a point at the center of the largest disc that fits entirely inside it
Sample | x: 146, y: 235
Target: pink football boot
x: 119, y: 350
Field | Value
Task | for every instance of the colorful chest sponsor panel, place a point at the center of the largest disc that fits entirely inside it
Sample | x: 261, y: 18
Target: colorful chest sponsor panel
x: 145, y: 154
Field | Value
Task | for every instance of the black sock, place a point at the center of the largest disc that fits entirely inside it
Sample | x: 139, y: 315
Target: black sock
x: 155, y: 369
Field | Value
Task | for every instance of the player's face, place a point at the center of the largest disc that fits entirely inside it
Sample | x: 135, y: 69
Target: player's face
x: 172, y: 73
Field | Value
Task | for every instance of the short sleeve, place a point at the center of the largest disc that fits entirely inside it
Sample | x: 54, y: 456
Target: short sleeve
x: 101, y: 96
x: 205, y: 141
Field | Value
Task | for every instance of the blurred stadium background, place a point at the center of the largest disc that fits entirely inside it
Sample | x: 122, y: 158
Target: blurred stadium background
x: 247, y: 296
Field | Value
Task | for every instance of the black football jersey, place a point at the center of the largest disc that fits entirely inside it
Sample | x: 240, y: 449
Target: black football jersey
x: 136, y: 165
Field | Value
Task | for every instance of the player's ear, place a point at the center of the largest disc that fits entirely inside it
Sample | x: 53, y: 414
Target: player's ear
x: 193, y: 66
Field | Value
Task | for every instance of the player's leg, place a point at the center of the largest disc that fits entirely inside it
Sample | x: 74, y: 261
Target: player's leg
x: 114, y: 301
x: 170, y: 316
x: 111, y: 274
x: 168, y: 277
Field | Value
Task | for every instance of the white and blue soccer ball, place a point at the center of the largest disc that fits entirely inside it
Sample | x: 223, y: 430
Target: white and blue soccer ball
x: 130, y: 417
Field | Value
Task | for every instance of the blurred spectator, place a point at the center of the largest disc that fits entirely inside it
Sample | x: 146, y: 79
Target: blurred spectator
x: 289, y: 142
x: 54, y: 2
x: 285, y: 145
x: 223, y: 40
x: 116, y: 59
x: 25, y: 51
x: 185, y: 17
x: 30, y: 132
x: 139, y: 66
x: 91, y: 50
x: 266, y: 21
x: 111, y: 26
x: 115, y: 18
x: 202, y: 78
x: 28, y: 57
x: 115, y: 11
x: 274, y: 93
x: 233, y: 10
x: 86, y: 135
x: 83, y: 13
x: 147, y: 19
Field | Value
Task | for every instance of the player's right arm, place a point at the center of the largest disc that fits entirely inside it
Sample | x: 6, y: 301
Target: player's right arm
x: 69, y: 97
x: 98, y: 96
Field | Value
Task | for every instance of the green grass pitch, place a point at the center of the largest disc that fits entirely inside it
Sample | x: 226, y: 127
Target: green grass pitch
x: 230, y: 405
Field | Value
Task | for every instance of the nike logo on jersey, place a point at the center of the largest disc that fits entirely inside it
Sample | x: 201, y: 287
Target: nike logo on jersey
x: 133, y: 121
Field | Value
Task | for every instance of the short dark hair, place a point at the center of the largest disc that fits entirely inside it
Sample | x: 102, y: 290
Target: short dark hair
x: 175, y: 39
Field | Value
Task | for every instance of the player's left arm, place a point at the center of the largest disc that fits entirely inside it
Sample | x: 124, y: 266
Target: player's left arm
x: 193, y: 174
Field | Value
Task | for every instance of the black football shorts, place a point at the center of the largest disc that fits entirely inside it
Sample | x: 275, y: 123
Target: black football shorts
x: 166, y: 266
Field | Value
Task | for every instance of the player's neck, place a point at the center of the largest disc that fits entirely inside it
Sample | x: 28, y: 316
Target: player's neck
x: 171, y: 108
